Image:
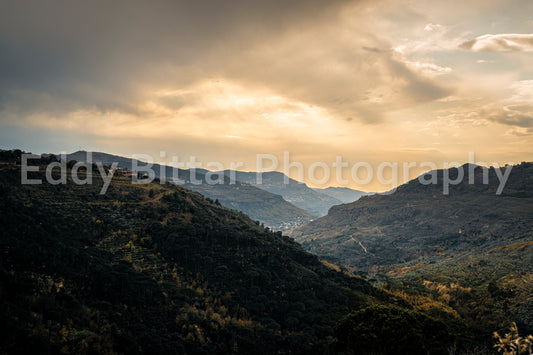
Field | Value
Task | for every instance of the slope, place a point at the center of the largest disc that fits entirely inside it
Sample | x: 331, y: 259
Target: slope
x: 155, y: 269
x: 268, y: 208
x: 419, y: 223
x: 471, y: 250
x: 344, y: 194
x: 295, y: 192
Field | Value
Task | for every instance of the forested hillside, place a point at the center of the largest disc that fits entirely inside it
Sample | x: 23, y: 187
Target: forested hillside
x: 268, y: 208
x: 470, y: 251
x: 418, y: 223
x: 156, y: 269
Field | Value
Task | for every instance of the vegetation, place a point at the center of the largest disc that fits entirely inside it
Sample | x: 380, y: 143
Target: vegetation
x: 314, y: 202
x: 464, y: 258
x: 485, y: 290
x: 384, y: 330
x: 267, y: 208
x: 512, y: 343
x: 156, y: 269
x: 418, y: 224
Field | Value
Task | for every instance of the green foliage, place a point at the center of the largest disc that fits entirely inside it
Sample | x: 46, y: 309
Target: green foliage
x: 465, y: 257
x: 129, y: 273
x: 384, y: 329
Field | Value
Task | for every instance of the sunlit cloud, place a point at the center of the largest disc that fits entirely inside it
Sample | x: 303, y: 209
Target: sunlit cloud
x: 364, y: 79
x: 500, y: 43
x: 432, y: 27
x: 520, y: 132
x: 429, y: 69
x: 523, y: 91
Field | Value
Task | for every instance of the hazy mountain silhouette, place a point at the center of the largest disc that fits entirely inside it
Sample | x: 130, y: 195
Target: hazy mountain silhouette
x: 344, y: 194
x: 295, y: 192
x: 268, y: 208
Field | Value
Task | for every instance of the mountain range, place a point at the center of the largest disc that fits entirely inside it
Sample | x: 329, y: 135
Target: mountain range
x: 159, y: 268
x: 279, y: 202
x: 422, y: 241
x: 344, y: 194
x: 419, y: 223
x: 268, y: 208
x: 298, y: 193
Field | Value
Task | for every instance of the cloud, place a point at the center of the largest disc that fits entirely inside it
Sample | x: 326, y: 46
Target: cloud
x: 105, y: 55
x: 500, y: 43
x: 429, y: 69
x: 523, y: 91
x: 519, y: 132
x: 513, y: 118
x: 518, y: 109
x: 315, y: 77
x: 431, y: 27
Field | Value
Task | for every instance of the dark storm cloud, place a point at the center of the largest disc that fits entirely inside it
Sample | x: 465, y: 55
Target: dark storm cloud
x: 514, y: 119
x: 97, y: 54
x: 418, y: 88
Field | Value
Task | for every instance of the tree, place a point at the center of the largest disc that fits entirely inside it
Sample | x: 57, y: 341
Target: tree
x: 381, y: 329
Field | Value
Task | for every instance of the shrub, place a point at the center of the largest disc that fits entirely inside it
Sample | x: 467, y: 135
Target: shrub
x: 383, y: 329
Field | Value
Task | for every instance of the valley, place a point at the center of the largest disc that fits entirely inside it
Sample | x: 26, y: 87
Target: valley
x: 471, y: 250
x: 190, y: 273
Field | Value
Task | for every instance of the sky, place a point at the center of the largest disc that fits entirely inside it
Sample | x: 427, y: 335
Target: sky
x: 223, y: 81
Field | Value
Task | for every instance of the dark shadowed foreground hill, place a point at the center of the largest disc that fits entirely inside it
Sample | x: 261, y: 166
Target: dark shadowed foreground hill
x: 156, y: 269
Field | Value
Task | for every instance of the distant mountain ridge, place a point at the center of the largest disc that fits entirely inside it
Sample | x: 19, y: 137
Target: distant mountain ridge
x: 419, y: 223
x: 298, y: 193
x: 471, y: 250
x: 344, y: 194
x: 263, y: 201
x: 261, y: 205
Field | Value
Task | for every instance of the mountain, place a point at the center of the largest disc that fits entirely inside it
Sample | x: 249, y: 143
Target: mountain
x: 155, y: 268
x: 344, y: 194
x: 298, y: 193
x: 419, y: 223
x: 471, y: 249
x: 268, y: 208
x: 278, y: 205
